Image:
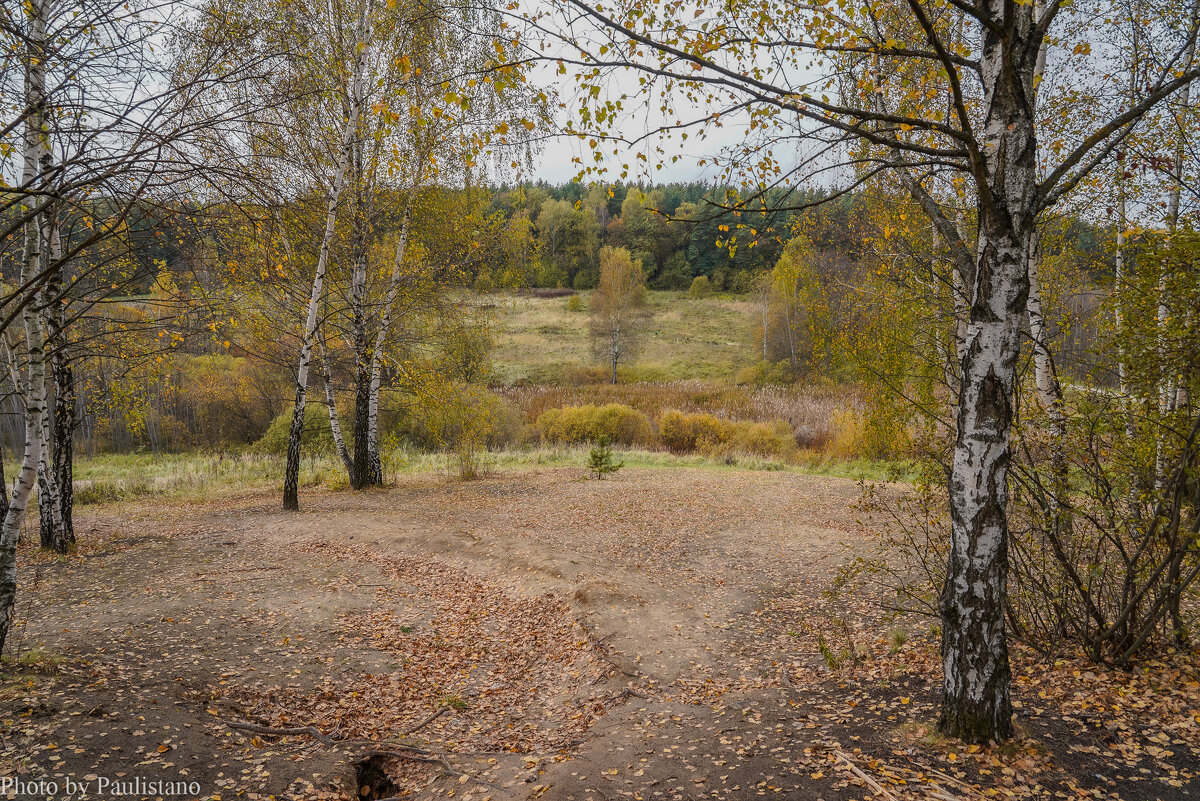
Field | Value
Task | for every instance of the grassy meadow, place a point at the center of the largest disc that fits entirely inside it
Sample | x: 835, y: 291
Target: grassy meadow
x: 540, y: 341
x: 691, y: 355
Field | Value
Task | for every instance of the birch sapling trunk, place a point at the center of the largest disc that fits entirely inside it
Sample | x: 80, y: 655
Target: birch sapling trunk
x: 962, y: 303
x: 335, y: 426
x: 1177, y: 397
x: 976, y: 705
x: 291, y: 477
x: 1050, y: 396
x: 36, y: 162
x: 1120, y: 270
x: 1175, y: 386
x: 765, y: 297
x: 375, y: 461
x: 614, y: 348
x: 944, y: 361
x: 1049, y: 389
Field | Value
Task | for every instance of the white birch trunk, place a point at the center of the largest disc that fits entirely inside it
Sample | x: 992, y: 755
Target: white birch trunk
x: 976, y: 704
x: 962, y: 304
x: 291, y: 486
x: 1173, y: 393
x: 1050, y: 395
x: 36, y: 160
x: 335, y: 426
x: 49, y: 497
x: 1045, y: 376
x: 1120, y: 270
x: 385, y: 323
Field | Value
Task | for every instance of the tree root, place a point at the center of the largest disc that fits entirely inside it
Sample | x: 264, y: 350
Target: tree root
x: 601, y: 649
x: 285, y: 731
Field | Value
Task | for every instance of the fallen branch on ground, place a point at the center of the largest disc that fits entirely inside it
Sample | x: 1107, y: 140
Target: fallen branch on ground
x: 437, y: 713
x: 874, y: 785
x: 285, y: 731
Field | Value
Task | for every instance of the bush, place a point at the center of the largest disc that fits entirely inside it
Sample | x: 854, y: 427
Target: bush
x: 467, y: 420
x: 575, y: 303
x: 689, y: 432
x: 675, y: 274
x: 551, y: 277
x: 436, y: 423
x: 849, y: 437
x: 507, y: 426
x: 741, y: 282
x: 575, y: 424
x: 586, y: 279
x: 316, y: 436
x: 701, y: 287
x: 484, y: 282
x: 714, y: 436
x: 764, y: 439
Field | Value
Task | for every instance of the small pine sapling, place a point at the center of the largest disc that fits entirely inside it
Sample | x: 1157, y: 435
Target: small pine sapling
x: 600, y: 460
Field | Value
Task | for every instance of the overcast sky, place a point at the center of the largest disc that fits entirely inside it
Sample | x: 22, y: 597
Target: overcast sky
x: 555, y: 163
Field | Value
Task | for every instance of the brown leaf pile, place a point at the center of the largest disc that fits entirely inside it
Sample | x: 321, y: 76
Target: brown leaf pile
x: 517, y: 674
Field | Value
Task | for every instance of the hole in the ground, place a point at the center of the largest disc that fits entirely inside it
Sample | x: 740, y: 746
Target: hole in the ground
x: 371, y: 776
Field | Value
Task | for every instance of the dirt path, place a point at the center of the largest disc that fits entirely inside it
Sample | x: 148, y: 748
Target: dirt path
x: 531, y: 635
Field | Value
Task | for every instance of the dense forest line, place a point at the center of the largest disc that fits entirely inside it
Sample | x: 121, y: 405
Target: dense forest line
x: 550, y: 235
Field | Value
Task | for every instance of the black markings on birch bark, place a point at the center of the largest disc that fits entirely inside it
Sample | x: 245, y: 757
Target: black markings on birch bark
x: 30, y: 380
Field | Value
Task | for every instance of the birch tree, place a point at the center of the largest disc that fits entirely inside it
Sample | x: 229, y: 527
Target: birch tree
x: 291, y: 477
x: 354, y: 93
x: 617, y: 316
x: 101, y: 135
x: 31, y: 381
x: 835, y: 84
x: 442, y: 111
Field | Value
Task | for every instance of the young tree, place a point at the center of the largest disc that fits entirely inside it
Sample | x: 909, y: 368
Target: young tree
x: 932, y: 93
x: 600, y: 459
x: 617, y: 308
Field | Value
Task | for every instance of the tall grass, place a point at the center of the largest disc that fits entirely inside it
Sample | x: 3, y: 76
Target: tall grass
x: 117, y: 477
x: 188, y: 477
